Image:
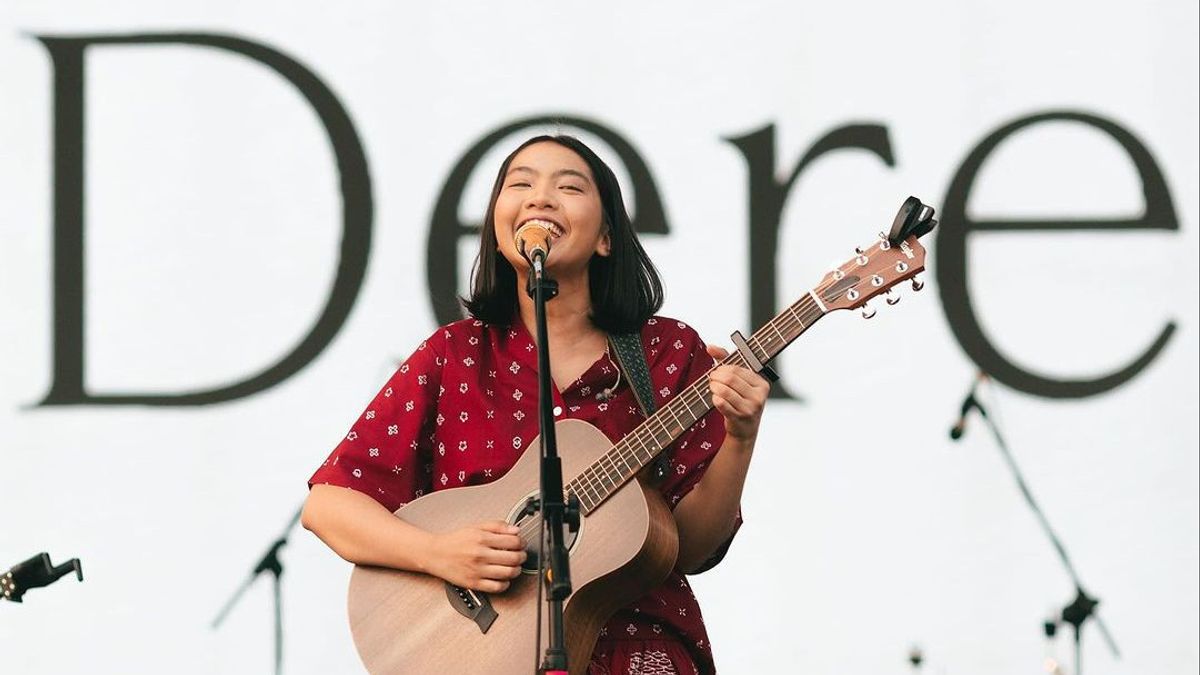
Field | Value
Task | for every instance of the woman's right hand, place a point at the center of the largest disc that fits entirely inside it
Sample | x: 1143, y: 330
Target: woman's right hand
x: 484, y: 557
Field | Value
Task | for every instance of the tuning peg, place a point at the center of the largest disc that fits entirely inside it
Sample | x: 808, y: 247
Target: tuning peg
x: 868, y: 312
x: 891, y: 299
x: 917, y: 284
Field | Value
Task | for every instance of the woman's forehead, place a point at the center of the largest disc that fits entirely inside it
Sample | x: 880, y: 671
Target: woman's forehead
x: 548, y: 157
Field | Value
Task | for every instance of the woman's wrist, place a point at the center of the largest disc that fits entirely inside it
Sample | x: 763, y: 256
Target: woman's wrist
x: 424, y: 551
x: 739, y: 443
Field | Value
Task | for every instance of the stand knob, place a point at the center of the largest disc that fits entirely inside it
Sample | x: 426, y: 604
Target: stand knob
x: 571, y: 514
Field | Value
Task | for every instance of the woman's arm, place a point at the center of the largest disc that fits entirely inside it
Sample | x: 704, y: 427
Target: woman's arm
x: 707, y: 515
x: 483, y: 557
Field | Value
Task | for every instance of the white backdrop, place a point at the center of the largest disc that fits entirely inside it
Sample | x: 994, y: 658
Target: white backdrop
x: 212, y: 226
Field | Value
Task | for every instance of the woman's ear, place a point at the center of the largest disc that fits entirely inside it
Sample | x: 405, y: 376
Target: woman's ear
x: 604, y: 246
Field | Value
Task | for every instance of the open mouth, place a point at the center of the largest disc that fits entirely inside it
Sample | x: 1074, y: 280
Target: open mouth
x: 550, y: 226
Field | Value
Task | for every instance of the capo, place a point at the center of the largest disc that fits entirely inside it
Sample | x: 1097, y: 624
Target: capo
x: 752, y: 361
x: 914, y: 218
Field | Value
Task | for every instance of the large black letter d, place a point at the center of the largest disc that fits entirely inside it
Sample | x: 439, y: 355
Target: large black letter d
x: 67, y: 54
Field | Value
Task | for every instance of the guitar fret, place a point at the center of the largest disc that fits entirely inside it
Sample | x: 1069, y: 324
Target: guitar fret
x: 612, y: 460
x: 589, y: 485
x: 782, y: 340
x: 594, y: 489
x: 698, y: 394
x: 626, y: 462
x: 632, y: 460
x: 660, y: 442
x: 604, y: 476
x: 649, y: 439
x: 676, y: 416
x: 792, y: 311
x: 586, y: 496
x: 666, y: 429
x: 576, y: 489
x: 758, y: 343
x: 607, y: 476
x: 648, y: 449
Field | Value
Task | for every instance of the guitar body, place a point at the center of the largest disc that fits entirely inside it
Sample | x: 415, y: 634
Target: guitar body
x: 406, y: 622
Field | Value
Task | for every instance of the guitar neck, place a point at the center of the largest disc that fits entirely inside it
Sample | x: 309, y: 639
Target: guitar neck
x: 623, y: 461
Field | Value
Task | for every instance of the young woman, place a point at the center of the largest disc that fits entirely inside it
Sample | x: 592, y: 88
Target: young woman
x: 463, y: 408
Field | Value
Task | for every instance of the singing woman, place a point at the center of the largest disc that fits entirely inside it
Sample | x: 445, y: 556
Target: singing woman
x: 463, y: 407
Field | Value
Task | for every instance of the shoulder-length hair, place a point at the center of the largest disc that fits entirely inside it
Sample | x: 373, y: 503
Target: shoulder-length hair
x: 625, y: 286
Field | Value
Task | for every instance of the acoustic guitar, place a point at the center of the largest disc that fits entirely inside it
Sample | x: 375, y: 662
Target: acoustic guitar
x: 414, y: 624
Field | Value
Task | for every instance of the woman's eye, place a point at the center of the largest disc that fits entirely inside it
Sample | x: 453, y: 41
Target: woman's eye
x: 572, y: 188
x: 518, y: 185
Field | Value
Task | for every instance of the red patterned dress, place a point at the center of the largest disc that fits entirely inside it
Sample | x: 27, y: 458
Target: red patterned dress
x: 463, y: 408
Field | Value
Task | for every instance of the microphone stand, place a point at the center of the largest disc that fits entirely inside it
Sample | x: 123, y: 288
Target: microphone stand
x: 270, y: 562
x: 554, y: 511
x: 1083, y: 606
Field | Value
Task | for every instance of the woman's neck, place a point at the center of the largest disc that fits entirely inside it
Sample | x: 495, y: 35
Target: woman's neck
x: 568, y: 315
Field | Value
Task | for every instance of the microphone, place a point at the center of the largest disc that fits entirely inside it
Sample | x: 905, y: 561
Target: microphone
x: 533, y: 241
x: 960, y: 426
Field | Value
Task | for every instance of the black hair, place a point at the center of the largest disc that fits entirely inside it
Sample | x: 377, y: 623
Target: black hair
x: 625, y: 286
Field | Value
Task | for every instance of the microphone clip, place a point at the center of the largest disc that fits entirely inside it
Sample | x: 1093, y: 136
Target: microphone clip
x: 35, y: 572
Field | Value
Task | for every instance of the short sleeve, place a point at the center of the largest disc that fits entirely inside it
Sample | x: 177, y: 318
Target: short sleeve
x: 691, y: 453
x: 695, y: 449
x: 387, y: 452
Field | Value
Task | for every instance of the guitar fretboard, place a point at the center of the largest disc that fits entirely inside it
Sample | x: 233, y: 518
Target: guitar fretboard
x: 632, y: 453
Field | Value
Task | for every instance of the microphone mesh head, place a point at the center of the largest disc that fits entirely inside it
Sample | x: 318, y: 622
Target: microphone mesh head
x: 532, y: 237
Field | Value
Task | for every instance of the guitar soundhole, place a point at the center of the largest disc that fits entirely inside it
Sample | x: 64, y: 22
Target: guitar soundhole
x: 527, y: 517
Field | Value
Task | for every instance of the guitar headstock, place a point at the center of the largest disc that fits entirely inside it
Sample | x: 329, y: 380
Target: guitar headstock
x: 876, y: 268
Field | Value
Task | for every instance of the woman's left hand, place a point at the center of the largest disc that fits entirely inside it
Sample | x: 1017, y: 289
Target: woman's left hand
x: 739, y: 395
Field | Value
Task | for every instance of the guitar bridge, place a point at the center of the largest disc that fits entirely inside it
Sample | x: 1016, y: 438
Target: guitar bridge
x: 472, y: 604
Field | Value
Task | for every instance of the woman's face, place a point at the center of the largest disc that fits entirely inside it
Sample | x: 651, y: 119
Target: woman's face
x: 549, y: 184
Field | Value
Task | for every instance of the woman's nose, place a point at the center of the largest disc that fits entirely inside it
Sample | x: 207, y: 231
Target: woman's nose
x: 541, y: 197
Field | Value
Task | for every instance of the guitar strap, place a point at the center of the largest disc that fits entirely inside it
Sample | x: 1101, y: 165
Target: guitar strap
x: 631, y: 359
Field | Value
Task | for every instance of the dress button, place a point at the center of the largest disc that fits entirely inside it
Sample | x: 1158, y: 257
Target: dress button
x: 557, y: 410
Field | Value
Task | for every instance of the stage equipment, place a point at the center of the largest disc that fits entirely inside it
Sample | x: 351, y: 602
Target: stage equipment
x: 270, y: 562
x: 915, y: 658
x: 533, y: 240
x: 626, y: 542
x: 1083, y: 606
x: 36, y: 572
